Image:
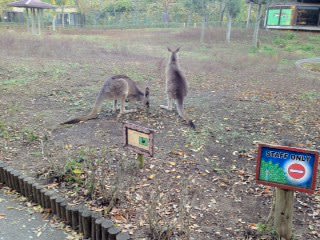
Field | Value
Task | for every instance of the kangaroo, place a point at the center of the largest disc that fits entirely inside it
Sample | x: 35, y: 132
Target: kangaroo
x: 119, y: 87
x: 176, y: 87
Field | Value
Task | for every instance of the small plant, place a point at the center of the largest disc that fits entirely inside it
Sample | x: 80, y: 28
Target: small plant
x: 4, y: 133
x: 266, y: 229
x: 73, y: 171
x: 159, y: 229
x: 92, y: 162
x: 113, y: 192
x: 29, y: 136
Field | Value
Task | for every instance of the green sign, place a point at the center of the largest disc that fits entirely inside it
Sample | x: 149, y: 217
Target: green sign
x: 273, y: 17
x: 286, y: 15
x: 144, y: 141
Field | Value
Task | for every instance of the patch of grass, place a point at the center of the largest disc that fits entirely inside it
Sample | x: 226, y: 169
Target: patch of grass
x: 269, y: 50
x: 266, y: 49
x: 266, y: 229
x: 280, y: 42
x: 310, y: 96
x: 21, y: 74
x: 29, y: 136
x: 315, y: 39
x: 4, y: 133
x: 196, y: 140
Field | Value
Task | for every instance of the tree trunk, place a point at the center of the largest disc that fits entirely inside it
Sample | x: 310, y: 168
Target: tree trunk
x: 33, y: 18
x: 222, y: 10
x: 39, y: 21
x: 54, y: 24
x: 189, y: 22
x: 28, y: 20
x: 257, y: 27
x: 249, y: 15
x: 62, y: 13
x: 228, y: 37
x: 203, y: 30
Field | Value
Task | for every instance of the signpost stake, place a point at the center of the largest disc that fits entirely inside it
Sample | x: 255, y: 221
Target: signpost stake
x: 283, y: 212
x: 140, y: 160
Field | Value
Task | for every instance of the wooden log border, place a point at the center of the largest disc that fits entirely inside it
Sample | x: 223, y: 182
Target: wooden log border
x: 90, y: 224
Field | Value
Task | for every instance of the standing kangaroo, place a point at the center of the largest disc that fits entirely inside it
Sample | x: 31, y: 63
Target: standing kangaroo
x: 176, y: 87
x: 119, y: 87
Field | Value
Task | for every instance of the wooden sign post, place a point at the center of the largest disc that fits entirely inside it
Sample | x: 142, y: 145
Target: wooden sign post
x: 288, y: 169
x: 140, y: 140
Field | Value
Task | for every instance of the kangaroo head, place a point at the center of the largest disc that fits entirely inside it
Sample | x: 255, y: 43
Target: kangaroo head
x: 173, y: 54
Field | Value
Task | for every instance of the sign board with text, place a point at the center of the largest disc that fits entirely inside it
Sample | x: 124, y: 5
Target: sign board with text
x: 287, y: 167
x: 139, y: 139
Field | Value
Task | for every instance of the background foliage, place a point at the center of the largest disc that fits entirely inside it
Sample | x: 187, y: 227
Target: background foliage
x: 139, y: 12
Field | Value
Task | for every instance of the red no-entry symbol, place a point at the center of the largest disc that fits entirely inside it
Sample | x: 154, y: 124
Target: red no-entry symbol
x: 296, y: 171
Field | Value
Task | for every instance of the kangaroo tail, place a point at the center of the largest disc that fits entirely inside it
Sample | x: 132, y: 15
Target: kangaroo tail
x: 183, y: 114
x: 91, y: 115
x: 191, y: 124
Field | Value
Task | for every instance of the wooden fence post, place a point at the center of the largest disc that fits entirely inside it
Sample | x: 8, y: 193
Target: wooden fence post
x: 283, y: 212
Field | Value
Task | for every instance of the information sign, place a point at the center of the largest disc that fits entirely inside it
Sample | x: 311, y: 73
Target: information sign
x: 139, y: 139
x: 287, y: 168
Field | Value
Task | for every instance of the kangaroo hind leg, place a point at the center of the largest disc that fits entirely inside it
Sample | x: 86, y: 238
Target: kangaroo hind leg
x: 180, y: 107
x: 170, y: 105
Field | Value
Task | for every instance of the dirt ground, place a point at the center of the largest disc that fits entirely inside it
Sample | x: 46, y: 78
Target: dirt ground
x: 200, y: 183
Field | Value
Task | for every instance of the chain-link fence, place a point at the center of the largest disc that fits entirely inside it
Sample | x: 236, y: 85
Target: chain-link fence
x: 123, y: 20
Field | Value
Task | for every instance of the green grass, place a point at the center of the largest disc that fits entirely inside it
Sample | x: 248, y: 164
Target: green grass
x: 4, y: 133
x: 21, y: 74
x: 265, y: 229
x: 30, y: 135
x: 310, y: 96
x: 289, y: 42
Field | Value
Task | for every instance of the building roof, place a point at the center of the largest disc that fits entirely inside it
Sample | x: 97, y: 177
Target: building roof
x: 31, y: 4
x: 309, y: 1
x: 294, y: 4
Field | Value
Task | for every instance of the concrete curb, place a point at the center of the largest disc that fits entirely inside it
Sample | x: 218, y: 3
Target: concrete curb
x: 80, y: 219
x: 300, y: 62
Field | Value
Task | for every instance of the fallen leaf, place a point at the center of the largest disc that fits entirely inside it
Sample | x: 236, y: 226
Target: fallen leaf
x: 152, y: 176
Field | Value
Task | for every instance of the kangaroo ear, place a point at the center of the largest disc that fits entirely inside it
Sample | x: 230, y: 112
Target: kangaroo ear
x: 177, y: 50
x: 169, y: 49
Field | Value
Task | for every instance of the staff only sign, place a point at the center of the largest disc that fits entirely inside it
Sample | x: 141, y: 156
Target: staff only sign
x: 287, y: 168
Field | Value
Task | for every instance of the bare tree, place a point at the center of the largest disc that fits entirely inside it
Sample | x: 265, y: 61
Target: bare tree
x: 233, y: 9
x: 258, y: 23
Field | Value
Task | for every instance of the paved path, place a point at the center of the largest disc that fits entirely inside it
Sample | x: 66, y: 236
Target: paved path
x: 300, y: 62
x: 18, y: 222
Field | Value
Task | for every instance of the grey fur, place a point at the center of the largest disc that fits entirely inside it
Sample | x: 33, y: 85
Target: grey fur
x: 119, y: 87
x: 176, y: 86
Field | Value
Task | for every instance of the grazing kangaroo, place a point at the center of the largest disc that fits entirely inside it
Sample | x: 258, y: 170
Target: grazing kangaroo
x: 176, y: 87
x: 119, y: 87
